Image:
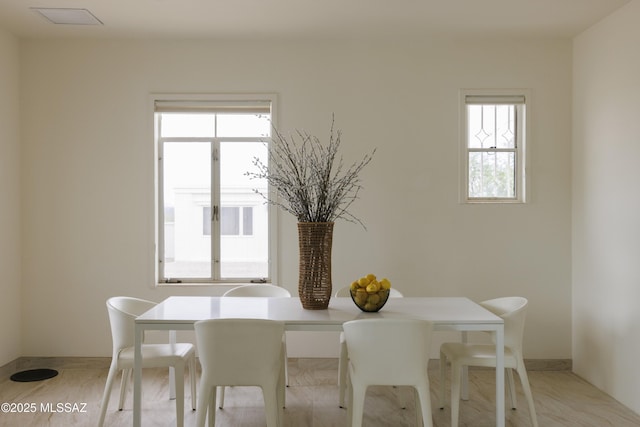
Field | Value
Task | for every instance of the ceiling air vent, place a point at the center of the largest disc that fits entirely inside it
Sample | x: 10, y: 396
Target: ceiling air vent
x: 68, y: 16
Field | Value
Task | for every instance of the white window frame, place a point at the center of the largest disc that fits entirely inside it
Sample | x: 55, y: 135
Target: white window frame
x: 211, y: 99
x: 522, y: 99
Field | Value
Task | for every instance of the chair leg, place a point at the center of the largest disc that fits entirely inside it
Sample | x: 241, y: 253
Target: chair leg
x: 282, y: 381
x: 423, y: 406
x: 512, y: 388
x: 272, y: 405
x: 221, y: 398
x: 179, y: 373
x: 343, y: 368
x: 524, y: 379
x: 204, y: 398
x: 356, y: 406
x: 286, y: 360
x: 126, y: 373
x: 212, y: 406
x: 456, y: 377
x: 280, y: 397
x: 443, y: 368
x: 350, y: 394
x: 113, y: 370
x: 192, y: 379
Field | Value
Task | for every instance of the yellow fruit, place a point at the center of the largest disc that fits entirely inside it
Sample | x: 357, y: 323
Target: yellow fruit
x: 373, y: 287
x: 371, y: 277
x: 354, y: 286
x: 385, y: 284
x: 363, y: 282
x: 360, y: 296
x: 374, y: 299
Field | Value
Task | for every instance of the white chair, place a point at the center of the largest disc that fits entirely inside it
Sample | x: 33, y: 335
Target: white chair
x: 513, y: 311
x: 388, y: 352
x: 240, y: 352
x: 344, y: 357
x: 122, y: 314
x: 260, y: 290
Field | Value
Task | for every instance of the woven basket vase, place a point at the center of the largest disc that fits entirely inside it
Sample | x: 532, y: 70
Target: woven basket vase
x: 314, y: 280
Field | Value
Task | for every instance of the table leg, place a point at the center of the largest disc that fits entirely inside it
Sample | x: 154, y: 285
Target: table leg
x: 137, y: 377
x: 172, y: 373
x: 500, y: 415
x: 464, y: 394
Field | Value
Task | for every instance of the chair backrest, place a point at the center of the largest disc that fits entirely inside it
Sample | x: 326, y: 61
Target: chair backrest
x: 388, y: 351
x: 258, y: 290
x: 513, y: 311
x: 122, y: 315
x: 239, y: 351
x: 344, y: 292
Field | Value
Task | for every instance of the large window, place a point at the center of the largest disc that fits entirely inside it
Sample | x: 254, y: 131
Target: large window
x: 213, y: 223
x: 493, y: 146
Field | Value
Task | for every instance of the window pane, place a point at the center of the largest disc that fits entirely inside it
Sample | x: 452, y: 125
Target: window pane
x: 206, y: 220
x: 187, y: 189
x: 505, y: 126
x: 187, y: 125
x: 491, y: 126
x: 244, y: 255
x: 247, y: 221
x: 492, y: 174
x: 244, y: 125
x: 229, y: 223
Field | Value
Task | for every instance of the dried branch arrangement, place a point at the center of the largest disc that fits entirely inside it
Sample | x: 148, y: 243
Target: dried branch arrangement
x: 310, y: 178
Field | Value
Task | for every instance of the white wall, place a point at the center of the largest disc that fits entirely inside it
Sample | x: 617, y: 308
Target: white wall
x: 88, y: 182
x: 606, y: 205
x: 10, y: 300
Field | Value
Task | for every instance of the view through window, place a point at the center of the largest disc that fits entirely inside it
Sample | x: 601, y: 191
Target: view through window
x: 214, y: 226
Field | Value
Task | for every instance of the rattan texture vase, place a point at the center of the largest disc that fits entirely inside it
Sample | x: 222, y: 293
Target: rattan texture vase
x: 314, y: 280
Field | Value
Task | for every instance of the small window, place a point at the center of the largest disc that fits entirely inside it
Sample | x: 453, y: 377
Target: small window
x: 493, y: 146
x: 247, y: 221
x: 206, y: 221
x: 236, y: 221
x: 229, y: 224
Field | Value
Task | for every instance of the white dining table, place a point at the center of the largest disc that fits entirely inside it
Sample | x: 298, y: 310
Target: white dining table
x: 446, y: 313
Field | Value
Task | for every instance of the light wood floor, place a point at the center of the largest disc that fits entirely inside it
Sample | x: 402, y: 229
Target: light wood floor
x: 562, y: 399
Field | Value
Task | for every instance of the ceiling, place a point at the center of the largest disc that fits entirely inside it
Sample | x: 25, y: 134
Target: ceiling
x: 309, y: 18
